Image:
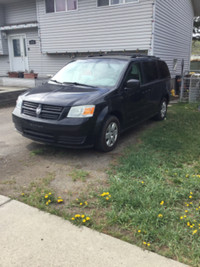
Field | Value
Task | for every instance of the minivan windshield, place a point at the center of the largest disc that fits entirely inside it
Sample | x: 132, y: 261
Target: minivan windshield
x: 91, y: 72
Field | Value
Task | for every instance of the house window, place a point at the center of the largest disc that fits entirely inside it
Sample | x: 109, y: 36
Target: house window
x: 114, y: 2
x: 71, y: 4
x: 60, y: 5
x: 49, y: 6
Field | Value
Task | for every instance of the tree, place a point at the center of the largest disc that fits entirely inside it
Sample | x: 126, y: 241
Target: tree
x: 196, y: 30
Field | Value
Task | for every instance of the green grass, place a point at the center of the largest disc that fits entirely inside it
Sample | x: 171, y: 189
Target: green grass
x: 79, y: 174
x: 153, y: 197
x: 156, y: 188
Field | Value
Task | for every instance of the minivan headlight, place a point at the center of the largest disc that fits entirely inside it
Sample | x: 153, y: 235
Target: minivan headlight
x: 19, y: 102
x: 81, y: 111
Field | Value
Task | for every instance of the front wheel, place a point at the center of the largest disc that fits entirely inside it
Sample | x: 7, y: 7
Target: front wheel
x: 162, y: 110
x: 109, y: 134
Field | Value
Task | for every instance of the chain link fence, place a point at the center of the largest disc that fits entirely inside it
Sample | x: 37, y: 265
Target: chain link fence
x: 190, y: 87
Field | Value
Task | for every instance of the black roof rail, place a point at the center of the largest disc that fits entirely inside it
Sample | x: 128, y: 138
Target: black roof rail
x: 136, y: 55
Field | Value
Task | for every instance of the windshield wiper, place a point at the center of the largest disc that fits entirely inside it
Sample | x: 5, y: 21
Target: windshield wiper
x: 81, y: 84
x: 55, y: 81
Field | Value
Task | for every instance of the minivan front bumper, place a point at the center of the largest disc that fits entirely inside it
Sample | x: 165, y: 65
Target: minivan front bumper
x: 69, y: 132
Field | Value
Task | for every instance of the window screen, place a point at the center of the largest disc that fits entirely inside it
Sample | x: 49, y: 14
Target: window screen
x: 150, y: 71
x: 103, y: 3
x: 71, y: 4
x: 49, y: 6
x: 60, y: 5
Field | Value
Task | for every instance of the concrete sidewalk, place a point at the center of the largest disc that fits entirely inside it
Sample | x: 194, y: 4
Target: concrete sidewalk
x: 29, y: 237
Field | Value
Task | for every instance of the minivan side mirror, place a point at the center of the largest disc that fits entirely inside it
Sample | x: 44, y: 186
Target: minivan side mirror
x: 132, y: 84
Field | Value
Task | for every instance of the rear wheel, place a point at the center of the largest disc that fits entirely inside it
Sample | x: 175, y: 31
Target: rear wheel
x: 162, y: 110
x: 109, y: 134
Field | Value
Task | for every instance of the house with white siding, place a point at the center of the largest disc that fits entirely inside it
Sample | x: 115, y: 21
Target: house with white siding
x: 43, y: 35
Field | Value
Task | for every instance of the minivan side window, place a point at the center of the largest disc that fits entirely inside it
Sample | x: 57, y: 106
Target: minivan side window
x: 134, y: 72
x: 150, y: 71
x: 163, y: 69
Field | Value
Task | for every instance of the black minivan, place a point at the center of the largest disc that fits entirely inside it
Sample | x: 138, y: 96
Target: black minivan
x: 91, y: 101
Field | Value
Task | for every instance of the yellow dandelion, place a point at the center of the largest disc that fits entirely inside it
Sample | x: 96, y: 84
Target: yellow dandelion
x: 160, y: 215
x: 187, y: 175
x: 197, y: 208
x: 84, y: 221
x: 72, y: 218
x: 181, y: 217
x: 86, y: 203
x: 186, y: 210
x: 144, y: 243
x: 83, y: 216
x: 47, y: 203
x: 107, y: 198
x: 87, y: 218
x: 162, y: 202
x: 191, y: 193
x: 139, y: 231
x: 46, y: 196
x: 49, y: 193
x: 142, y: 182
x: 148, y: 244
x: 22, y: 194
x: 194, y: 232
x: 190, y: 196
x: 185, y: 216
x: 81, y: 204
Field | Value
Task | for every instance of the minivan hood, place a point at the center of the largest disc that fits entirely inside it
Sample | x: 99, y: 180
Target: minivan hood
x: 64, y: 95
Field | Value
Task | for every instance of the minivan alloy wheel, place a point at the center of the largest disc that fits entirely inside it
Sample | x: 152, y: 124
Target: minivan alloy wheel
x: 111, y: 134
x: 163, y: 109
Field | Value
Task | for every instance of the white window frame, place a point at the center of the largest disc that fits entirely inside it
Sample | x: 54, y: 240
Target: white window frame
x: 124, y: 3
x: 66, y: 8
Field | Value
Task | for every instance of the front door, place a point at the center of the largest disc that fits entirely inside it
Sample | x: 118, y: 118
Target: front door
x: 18, y: 53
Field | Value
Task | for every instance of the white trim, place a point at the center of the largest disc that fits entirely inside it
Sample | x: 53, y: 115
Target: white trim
x: 120, y: 4
x: 10, y: 51
x: 20, y: 26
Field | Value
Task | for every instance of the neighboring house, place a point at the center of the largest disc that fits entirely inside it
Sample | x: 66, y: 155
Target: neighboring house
x: 43, y: 35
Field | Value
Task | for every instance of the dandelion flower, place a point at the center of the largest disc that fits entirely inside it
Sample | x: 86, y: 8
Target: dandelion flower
x: 186, y: 210
x: 107, y: 198
x: 139, y: 231
x: 47, y: 203
x: 87, y: 218
x: 81, y: 204
x: 144, y: 243
x: 181, y: 217
x: 22, y: 194
x: 162, y: 202
x: 148, y: 244
x: 82, y: 216
x: 194, y: 232
x: 190, y: 196
x: 46, y: 196
x: 72, y: 218
x: 84, y: 221
x: 160, y: 215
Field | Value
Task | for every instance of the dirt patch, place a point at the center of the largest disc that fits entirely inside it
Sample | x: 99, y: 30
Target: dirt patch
x: 23, y: 162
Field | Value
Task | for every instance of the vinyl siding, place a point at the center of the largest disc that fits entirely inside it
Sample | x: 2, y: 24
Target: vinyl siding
x: 20, y: 12
x: 173, y: 32
x: 4, y: 65
x: 92, y: 28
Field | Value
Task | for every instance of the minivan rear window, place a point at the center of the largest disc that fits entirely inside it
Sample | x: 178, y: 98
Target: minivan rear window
x: 150, y: 71
x: 163, y: 69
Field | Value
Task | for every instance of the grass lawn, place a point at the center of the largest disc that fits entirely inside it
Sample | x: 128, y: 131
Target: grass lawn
x: 153, y: 197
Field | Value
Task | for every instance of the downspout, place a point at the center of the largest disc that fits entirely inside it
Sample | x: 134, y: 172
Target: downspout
x: 151, y: 49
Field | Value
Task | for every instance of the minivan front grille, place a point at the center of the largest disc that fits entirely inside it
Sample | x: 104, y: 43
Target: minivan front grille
x: 43, y: 111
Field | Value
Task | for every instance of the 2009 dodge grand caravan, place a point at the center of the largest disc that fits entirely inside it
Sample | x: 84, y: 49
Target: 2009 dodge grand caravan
x: 91, y: 101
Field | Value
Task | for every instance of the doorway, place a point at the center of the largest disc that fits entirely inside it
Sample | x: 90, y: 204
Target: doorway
x: 18, y: 53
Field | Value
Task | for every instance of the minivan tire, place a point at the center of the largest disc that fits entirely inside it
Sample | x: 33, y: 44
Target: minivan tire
x: 162, y: 110
x: 109, y: 135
